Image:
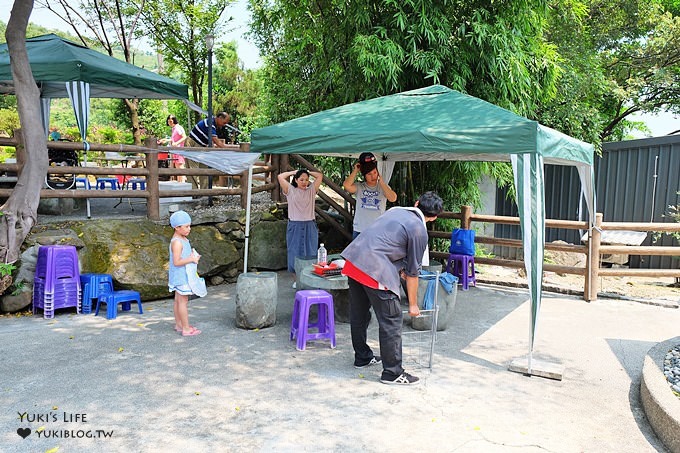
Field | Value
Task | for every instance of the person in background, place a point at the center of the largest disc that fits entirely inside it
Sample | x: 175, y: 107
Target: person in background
x: 198, y: 137
x: 302, y: 234
x: 393, y: 247
x: 181, y: 254
x: 177, y: 138
x: 372, y: 194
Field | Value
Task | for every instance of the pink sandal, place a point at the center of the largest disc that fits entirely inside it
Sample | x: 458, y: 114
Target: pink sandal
x: 194, y: 331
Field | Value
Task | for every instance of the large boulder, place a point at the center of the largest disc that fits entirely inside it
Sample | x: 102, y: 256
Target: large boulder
x: 267, y: 245
x: 136, y: 252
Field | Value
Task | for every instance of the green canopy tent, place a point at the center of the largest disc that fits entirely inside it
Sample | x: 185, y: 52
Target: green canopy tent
x: 63, y: 69
x: 437, y: 123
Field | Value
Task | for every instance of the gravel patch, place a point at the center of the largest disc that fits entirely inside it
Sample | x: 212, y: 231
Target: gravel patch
x: 671, y: 369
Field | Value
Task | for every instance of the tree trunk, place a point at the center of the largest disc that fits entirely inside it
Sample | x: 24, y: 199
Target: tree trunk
x: 20, y: 212
x: 133, y: 108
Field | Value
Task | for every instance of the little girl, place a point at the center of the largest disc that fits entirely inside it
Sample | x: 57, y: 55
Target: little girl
x: 181, y: 254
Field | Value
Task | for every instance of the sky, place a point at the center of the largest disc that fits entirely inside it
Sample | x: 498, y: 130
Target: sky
x: 247, y: 51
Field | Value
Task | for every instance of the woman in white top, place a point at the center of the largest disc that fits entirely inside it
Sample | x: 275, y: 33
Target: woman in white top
x: 371, y: 195
x: 302, y: 234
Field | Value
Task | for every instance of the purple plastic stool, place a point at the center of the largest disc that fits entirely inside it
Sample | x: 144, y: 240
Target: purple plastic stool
x: 325, y: 324
x: 92, y: 286
x: 463, y: 268
x: 112, y: 299
x: 57, y: 279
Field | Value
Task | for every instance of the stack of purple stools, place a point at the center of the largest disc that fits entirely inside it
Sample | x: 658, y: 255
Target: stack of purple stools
x: 57, y: 279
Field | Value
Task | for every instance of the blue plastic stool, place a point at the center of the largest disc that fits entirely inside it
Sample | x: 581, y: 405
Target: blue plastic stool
x: 134, y: 182
x: 325, y: 324
x: 114, y: 298
x: 463, y: 268
x: 92, y: 286
x: 101, y: 183
x: 84, y: 181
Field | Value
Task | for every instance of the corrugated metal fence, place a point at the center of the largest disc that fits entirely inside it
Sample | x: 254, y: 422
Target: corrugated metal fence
x: 635, y: 181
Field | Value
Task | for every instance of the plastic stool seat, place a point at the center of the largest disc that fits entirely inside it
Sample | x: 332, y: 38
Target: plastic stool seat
x: 101, y: 183
x: 463, y: 268
x: 300, y: 325
x: 92, y: 286
x: 112, y: 299
x: 84, y: 181
x: 134, y: 182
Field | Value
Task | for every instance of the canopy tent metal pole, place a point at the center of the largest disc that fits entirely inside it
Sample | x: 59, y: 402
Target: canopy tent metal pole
x: 79, y: 94
x: 248, y: 202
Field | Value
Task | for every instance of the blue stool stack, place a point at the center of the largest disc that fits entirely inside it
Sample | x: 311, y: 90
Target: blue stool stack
x: 57, y: 280
x: 93, y: 285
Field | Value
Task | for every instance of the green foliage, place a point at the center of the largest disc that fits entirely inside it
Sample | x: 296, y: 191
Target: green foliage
x: 319, y: 55
x: 178, y: 30
x: 6, y: 269
x: 9, y: 121
x: 618, y: 57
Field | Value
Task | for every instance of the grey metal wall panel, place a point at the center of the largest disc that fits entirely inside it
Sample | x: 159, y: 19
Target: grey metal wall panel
x: 635, y: 181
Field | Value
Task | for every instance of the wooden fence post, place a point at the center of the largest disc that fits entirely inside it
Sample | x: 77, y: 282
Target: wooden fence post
x: 153, y: 207
x: 465, y: 217
x: 591, y: 285
x: 276, y: 169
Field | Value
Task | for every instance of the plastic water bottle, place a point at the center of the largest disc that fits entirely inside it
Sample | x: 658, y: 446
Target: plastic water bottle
x: 322, y: 256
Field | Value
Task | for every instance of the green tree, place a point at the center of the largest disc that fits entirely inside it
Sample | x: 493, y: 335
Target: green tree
x: 178, y: 30
x: 235, y: 89
x: 321, y: 54
x: 617, y: 58
x: 20, y: 211
x: 113, y: 24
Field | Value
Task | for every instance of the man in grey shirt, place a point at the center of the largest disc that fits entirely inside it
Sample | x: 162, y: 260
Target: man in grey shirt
x: 391, y: 248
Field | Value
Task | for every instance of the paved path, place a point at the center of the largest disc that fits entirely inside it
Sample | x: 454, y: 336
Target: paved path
x: 234, y: 390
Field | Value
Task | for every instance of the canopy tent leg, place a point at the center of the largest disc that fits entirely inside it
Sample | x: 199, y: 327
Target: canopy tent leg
x: 248, y: 201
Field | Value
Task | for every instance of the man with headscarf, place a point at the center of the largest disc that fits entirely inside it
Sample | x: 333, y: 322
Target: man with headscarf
x: 372, y: 194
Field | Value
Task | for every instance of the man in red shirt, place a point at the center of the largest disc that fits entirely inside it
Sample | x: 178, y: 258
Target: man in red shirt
x: 393, y: 247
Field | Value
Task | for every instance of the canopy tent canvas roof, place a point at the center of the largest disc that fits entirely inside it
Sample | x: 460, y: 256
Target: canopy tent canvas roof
x: 62, y: 68
x: 437, y: 123
x: 55, y: 60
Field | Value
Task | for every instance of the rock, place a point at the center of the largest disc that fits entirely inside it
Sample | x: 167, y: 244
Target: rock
x: 267, y: 246
x: 135, y: 252
x: 17, y: 301
x: 58, y: 206
x: 216, y: 280
x: 256, y: 296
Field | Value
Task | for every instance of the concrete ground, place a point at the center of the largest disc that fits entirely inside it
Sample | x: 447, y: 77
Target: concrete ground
x: 135, y: 385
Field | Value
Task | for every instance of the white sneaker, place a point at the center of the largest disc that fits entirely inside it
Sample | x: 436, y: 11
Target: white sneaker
x: 294, y: 285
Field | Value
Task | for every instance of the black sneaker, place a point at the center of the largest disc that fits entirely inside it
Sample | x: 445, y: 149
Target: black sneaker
x: 374, y: 361
x: 403, y: 379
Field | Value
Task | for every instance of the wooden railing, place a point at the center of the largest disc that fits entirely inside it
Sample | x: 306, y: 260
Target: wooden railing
x: 151, y: 171
x: 592, y: 270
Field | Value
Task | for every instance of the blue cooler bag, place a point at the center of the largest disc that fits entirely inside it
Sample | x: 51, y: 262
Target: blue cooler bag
x: 462, y: 242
